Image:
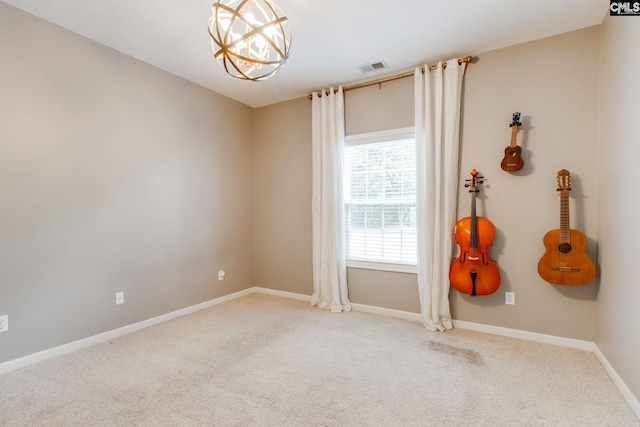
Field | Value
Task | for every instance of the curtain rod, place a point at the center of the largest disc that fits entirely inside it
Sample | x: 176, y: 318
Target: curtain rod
x: 467, y: 59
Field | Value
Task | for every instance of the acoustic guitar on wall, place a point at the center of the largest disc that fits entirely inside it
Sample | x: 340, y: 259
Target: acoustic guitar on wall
x: 565, y: 261
x: 512, y: 160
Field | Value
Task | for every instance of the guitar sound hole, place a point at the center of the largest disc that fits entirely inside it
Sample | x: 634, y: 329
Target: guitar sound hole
x: 513, y: 154
x: 565, y: 248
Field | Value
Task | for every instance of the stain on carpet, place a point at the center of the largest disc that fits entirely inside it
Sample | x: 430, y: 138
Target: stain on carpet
x: 466, y: 354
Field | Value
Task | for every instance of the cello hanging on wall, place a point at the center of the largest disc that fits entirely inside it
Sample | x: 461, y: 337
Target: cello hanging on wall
x: 473, y: 272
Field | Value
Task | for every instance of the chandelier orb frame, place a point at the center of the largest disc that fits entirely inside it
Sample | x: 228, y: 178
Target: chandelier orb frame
x: 251, y: 39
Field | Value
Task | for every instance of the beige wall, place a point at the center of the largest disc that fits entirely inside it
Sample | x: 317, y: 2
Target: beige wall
x: 114, y: 176
x: 373, y: 108
x: 617, y: 313
x: 283, y: 197
x: 554, y: 83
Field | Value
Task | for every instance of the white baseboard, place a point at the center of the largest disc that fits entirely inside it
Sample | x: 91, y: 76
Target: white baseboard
x: 389, y: 312
x: 21, y: 362
x: 525, y: 335
x: 284, y: 294
x: 620, y: 384
x: 12, y: 365
x: 357, y: 307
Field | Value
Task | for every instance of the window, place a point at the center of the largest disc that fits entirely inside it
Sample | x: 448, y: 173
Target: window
x: 380, y: 200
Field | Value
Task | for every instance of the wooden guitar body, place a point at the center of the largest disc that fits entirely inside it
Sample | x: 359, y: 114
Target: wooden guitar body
x: 474, y: 264
x: 566, y: 263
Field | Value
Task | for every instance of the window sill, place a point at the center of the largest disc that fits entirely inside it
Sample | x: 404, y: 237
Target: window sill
x: 398, y: 268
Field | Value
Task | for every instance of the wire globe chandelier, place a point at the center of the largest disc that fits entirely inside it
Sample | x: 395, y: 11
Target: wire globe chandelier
x: 250, y: 38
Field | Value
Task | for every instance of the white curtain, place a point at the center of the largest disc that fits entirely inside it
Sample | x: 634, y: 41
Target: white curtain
x: 437, y: 109
x: 329, y: 259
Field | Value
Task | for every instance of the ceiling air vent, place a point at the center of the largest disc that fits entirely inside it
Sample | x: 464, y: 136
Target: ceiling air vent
x: 374, y: 66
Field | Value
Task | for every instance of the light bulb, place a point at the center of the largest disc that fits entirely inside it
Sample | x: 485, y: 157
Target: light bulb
x: 250, y: 17
x: 224, y: 24
x: 260, y: 42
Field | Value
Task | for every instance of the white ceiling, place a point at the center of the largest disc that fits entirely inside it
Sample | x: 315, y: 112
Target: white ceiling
x: 331, y: 38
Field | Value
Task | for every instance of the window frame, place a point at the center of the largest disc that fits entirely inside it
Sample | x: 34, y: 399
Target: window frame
x: 372, y: 138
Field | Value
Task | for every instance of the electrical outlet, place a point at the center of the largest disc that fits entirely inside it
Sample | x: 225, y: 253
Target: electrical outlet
x: 221, y: 275
x: 510, y: 298
x: 119, y: 298
x: 4, y: 323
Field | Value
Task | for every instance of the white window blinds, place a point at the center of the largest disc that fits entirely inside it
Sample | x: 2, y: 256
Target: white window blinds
x: 380, y: 197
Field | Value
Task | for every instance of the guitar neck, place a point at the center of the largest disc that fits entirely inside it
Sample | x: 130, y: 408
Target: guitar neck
x: 565, y: 226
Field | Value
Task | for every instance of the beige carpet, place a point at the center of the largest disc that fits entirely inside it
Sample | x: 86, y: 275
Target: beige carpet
x: 268, y: 361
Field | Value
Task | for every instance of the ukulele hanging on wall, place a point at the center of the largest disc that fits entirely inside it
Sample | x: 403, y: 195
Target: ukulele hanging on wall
x: 565, y: 261
x: 512, y: 160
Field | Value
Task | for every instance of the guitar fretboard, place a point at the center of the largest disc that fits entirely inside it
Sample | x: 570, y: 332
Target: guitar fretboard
x: 565, y: 228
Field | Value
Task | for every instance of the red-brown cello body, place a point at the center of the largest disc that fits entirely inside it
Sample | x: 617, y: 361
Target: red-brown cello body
x: 473, y: 272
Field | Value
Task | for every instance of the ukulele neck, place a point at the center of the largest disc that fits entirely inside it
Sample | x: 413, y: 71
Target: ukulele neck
x: 514, y: 136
